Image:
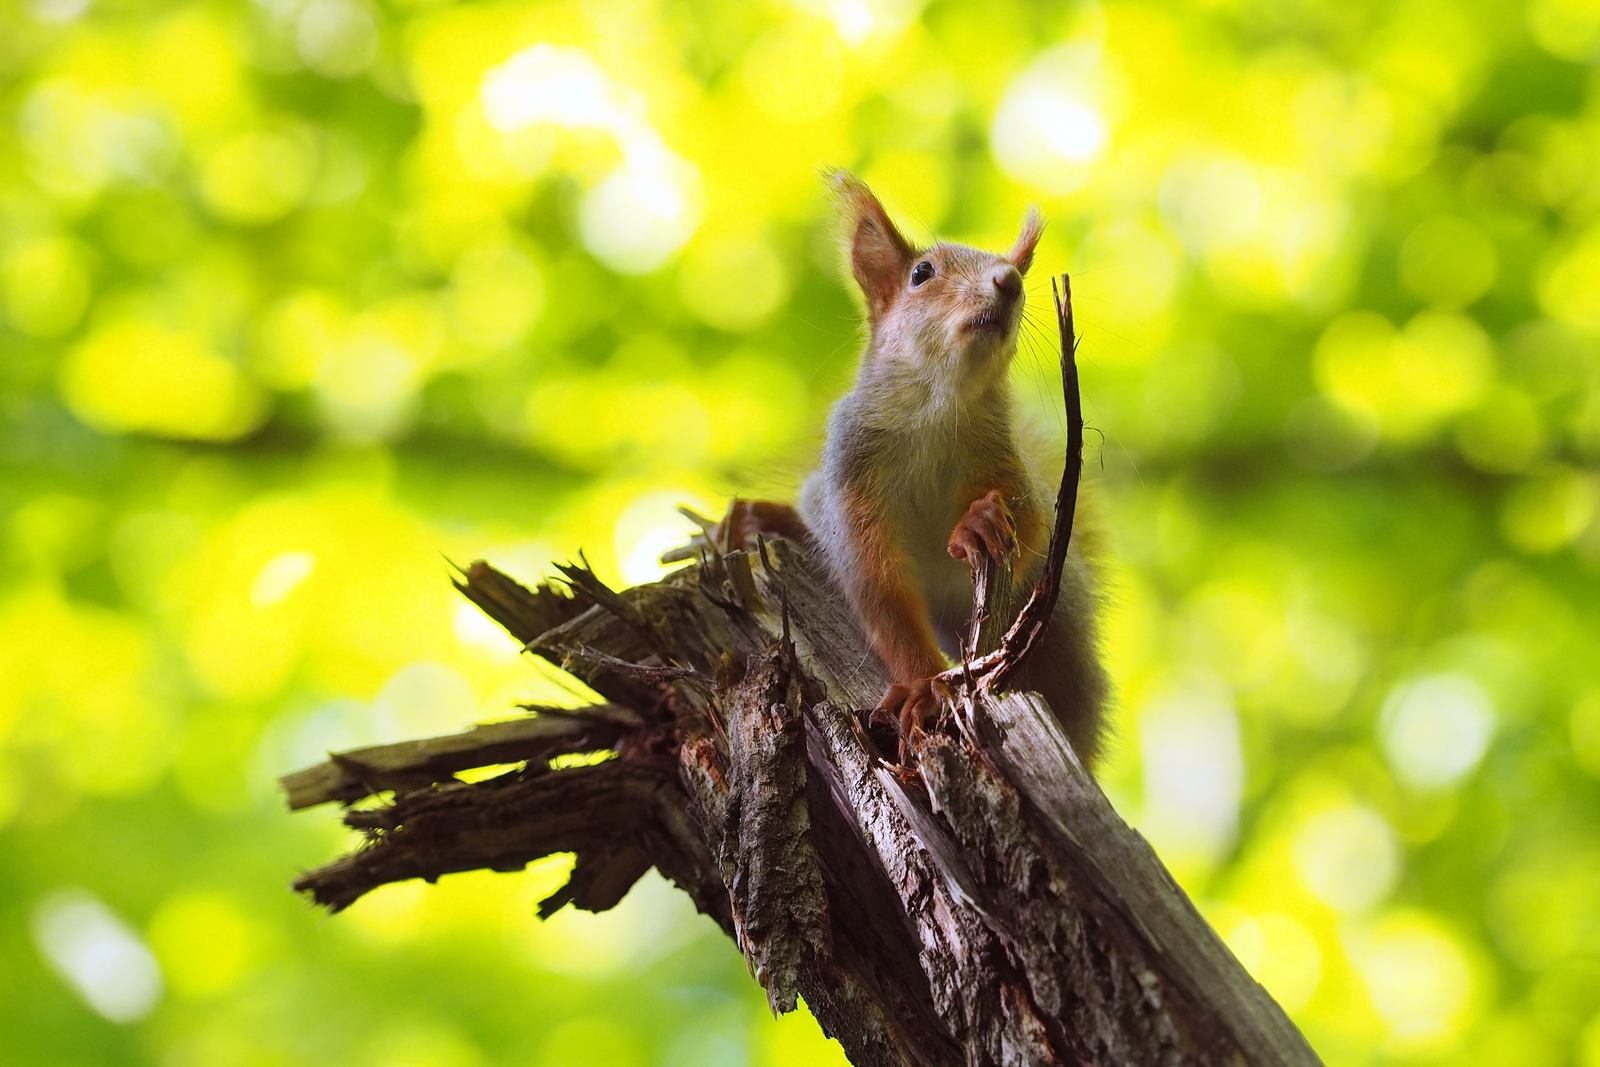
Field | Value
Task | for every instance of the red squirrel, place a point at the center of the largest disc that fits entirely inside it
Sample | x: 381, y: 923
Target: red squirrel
x: 921, y: 473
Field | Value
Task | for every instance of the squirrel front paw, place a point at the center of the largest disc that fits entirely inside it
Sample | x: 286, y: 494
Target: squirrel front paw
x: 986, y: 529
x: 745, y: 521
x: 906, y: 708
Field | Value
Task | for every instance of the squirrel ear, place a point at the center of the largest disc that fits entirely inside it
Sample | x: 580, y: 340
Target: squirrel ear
x: 1022, y: 252
x: 879, y: 255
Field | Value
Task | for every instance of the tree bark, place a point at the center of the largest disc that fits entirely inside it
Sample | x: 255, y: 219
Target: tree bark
x: 984, y: 906
x: 992, y: 908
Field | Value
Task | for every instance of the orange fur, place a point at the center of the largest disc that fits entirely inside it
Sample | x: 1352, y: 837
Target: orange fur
x: 1021, y: 253
x: 879, y: 254
x: 892, y: 610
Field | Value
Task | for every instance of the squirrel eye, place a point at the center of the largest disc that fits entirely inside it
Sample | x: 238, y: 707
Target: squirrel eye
x: 921, y: 272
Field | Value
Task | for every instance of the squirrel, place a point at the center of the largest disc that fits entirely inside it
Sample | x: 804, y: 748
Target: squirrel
x: 921, y: 473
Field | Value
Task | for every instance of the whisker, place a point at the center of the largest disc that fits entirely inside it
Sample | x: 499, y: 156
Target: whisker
x: 1113, y: 333
x: 1035, y: 343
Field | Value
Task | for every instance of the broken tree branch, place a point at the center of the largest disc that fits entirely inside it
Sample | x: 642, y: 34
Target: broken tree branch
x: 359, y: 773
x: 990, y: 909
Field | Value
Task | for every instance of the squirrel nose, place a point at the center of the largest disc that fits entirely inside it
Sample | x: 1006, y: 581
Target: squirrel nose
x: 1007, y: 280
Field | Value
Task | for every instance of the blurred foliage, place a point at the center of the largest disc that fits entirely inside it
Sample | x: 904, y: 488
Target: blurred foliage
x: 298, y: 295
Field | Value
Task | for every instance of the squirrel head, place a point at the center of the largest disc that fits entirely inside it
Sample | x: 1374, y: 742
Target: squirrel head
x: 947, y: 314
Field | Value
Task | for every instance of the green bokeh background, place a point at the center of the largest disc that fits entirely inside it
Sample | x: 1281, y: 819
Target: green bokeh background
x: 298, y: 297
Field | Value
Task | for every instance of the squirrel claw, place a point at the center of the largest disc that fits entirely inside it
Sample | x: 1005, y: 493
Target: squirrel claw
x: 882, y: 716
x: 907, y: 707
x: 987, y: 529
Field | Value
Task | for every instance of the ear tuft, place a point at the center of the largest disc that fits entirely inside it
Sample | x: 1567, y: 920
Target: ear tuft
x: 879, y: 254
x: 1022, y: 252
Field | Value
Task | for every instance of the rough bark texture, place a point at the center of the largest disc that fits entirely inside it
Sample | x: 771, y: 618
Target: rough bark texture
x: 988, y: 907
x: 991, y: 909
